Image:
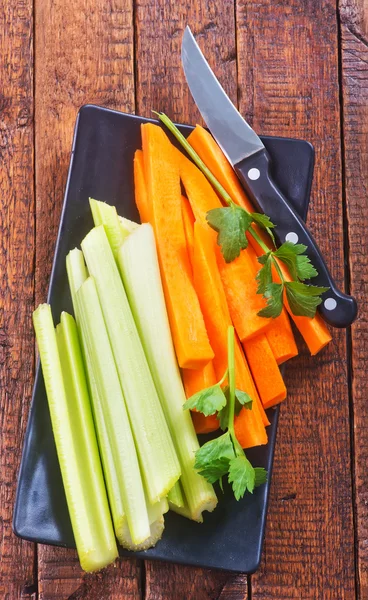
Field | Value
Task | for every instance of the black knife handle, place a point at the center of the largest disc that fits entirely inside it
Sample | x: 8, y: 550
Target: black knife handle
x: 337, y: 309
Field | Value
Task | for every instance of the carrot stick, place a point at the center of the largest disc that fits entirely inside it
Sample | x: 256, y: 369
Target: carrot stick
x: 208, y: 284
x: 281, y: 338
x: 241, y: 293
x: 265, y: 371
x: 162, y: 178
x: 188, y: 220
x: 194, y: 381
x: 140, y: 191
x: 314, y: 331
x: 238, y: 277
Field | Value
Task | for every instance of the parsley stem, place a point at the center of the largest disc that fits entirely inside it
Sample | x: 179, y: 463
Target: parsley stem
x: 195, y: 157
x: 277, y: 267
x: 223, y: 377
x: 231, y: 370
x: 258, y: 239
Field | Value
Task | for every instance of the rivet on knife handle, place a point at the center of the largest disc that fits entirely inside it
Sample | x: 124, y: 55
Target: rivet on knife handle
x: 338, y: 309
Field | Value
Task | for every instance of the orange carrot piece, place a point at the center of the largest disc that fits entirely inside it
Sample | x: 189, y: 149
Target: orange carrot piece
x: 140, y: 191
x: 194, y: 381
x: 162, y: 178
x: 188, y: 220
x: 241, y: 293
x: 238, y: 277
x: 200, y: 192
x: 212, y: 298
x: 245, y: 381
x: 265, y: 371
x: 281, y: 338
x: 314, y: 331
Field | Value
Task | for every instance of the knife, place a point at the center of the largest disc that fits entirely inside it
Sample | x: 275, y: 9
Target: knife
x: 251, y: 162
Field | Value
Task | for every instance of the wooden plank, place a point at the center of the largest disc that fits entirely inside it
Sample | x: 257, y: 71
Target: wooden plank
x: 17, y: 577
x: 288, y: 79
x: 61, y: 578
x: 354, y: 63
x: 160, y: 85
x: 83, y: 55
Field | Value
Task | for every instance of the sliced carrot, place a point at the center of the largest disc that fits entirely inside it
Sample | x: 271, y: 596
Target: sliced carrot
x: 188, y: 220
x: 140, y: 191
x: 162, y: 178
x: 194, y: 381
x: 212, y: 298
x: 265, y: 370
x: 314, y: 331
x: 200, y: 192
x: 241, y: 293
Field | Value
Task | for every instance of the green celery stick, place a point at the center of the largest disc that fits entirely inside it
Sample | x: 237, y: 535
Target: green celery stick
x: 77, y: 274
x: 119, y: 433
x: 138, y: 263
x: 106, y: 215
x: 75, y: 439
x: 175, y: 495
x: 157, y: 456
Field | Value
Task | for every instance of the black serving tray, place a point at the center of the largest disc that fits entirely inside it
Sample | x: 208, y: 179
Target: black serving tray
x: 101, y: 166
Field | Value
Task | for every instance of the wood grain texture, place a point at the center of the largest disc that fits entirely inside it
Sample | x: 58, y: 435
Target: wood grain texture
x: 60, y: 578
x: 160, y: 85
x: 16, y: 280
x: 354, y: 64
x: 288, y: 80
x: 84, y: 54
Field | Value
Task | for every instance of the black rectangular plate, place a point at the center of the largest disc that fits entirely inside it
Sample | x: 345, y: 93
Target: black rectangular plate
x: 101, y: 166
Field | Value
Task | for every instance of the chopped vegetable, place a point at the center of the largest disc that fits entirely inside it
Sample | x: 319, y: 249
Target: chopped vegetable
x: 188, y: 220
x: 157, y: 456
x: 194, y: 381
x: 106, y: 215
x: 75, y: 440
x: 77, y: 274
x: 281, y: 338
x: 212, y: 298
x: 175, y: 495
x: 140, y: 190
x: 314, y: 331
x: 145, y: 294
x: 224, y: 455
x: 115, y: 417
x: 163, y: 185
x: 265, y: 370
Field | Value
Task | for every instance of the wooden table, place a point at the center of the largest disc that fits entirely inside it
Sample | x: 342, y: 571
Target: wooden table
x: 295, y: 68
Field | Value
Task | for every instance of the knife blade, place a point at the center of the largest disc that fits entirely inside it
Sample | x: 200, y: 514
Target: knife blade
x: 250, y: 160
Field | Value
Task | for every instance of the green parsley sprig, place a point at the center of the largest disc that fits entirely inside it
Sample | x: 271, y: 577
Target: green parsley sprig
x: 233, y: 222
x: 224, y: 455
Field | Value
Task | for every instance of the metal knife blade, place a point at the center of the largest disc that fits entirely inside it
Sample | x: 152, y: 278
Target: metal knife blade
x: 232, y: 133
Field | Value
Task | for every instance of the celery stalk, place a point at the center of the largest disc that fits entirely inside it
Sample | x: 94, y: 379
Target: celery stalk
x: 77, y: 274
x: 158, y: 460
x: 127, y: 225
x: 106, y: 215
x: 137, y: 259
x: 75, y: 440
x: 113, y: 406
x: 156, y: 530
x: 175, y: 495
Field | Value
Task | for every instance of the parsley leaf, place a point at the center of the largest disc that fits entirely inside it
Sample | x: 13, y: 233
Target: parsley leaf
x: 241, y: 476
x: 213, y: 458
x: 264, y: 275
x: 304, y: 268
x: 207, y: 401
x: 231, y: 223
x: 260, y: 476
x: 303, y: 299
x: 274, y: 296
x: 241, y: 399
x: 265, y: 222
x: 298, y: 263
